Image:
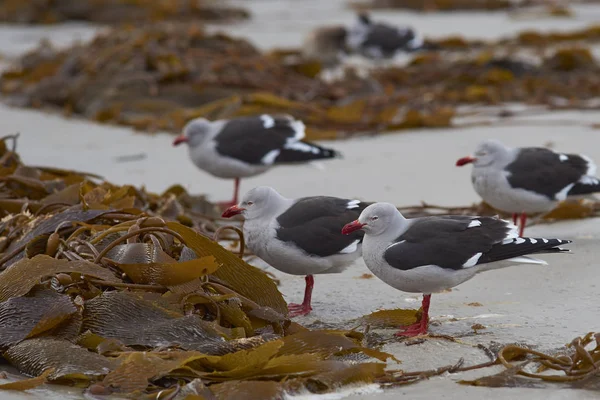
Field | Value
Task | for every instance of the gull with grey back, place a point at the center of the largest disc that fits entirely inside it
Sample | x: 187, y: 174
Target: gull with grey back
x: 431, y: 254
x: 529, y: 179
x: 380, y: 40
x: 300, y: 236
x: 247, y: 146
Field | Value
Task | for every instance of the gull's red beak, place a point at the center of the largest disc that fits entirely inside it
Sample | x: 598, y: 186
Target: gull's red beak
x: 465, y: 161
x: 231, y: 211
x: 180, y: 139
x: 352, y: 226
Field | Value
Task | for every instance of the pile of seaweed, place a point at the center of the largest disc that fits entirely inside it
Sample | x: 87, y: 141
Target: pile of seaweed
x: 567, y: 78
x: 529, y: 39
x: 112, y: 289
x: 120, y: 291
x: 555, y: 8
x: 158, y: 77
x: 115, y: 11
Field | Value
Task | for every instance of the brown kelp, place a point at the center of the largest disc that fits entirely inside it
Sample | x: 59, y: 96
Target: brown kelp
x: 554, y: 8
x: 115, y: 11
x: 124, y: 292
x: 158, y: 77
x: 436, y: 5
x: 578, y: 366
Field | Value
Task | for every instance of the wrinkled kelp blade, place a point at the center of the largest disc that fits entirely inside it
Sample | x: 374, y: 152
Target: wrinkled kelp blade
x: 340, y: 374
x: 293, y: 365
x: 139, y: 253
x: 239, y: 275
x: 275, y: 369
x: 135, y: 321
x: 69, y: 195
x: 321, y: 342
x: 136, y: 369
x: 20, y: 277
x: 101, y: 345
x: 392, y: 318
x: 508, y: 378
x: 241, y: 361
x: 27, y: 384
x: 170, y: 274
x: 303, y: 354
x: 34, y: 356
x: 325, y: 343
x: 26, y: 317
x: 248, y: 390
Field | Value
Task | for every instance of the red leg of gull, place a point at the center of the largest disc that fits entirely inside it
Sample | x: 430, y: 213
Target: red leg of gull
x: 236, y: 188
x: 515, y: 217
x: 420, y: 328
x: 304, y: 308
x: 522, y: 222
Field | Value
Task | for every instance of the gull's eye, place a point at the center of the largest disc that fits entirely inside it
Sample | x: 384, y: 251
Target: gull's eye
x: 375, y: 218
x: 250, y: 203
x: 481, y: 153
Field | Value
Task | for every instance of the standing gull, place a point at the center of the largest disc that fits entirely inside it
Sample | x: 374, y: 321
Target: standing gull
x: 529, y: 179
x: 380, y: 40
x: 247, y: 146
x: 300, y: 236
x: 431, y: 254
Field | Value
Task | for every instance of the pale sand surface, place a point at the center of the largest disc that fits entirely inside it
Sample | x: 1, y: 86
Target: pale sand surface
x: 546, y: 306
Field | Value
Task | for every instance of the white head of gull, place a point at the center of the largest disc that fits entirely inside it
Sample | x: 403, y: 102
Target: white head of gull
x: 299, y: 236
x: 529, y: 179
x: 431, y: 254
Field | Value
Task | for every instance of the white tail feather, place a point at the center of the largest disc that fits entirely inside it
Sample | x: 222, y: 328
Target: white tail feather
x: 527, y: 260
x: 509, y: 263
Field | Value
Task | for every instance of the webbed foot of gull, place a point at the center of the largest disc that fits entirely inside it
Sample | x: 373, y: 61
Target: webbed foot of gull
x: 413, y: 330
x: 296, y: 310
x: 420, y: 327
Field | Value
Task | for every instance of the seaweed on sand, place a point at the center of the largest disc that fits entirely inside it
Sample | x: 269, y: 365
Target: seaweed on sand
x: 112, y: 289
x: 116, y: 11
x: 160, y: 76
x: 554, y: 9
x: 124, y: 292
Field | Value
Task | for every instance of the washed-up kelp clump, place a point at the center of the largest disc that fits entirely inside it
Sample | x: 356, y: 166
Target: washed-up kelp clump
x: 524, y: 39
x: 115, y: 11
x: 578, y: 366
x: 122, y: 292
x: 158, y: 77
x: 565, y: 78
x: 462, y: 5
x: 101, y: 288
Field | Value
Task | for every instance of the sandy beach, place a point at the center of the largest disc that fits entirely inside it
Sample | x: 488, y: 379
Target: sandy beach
x: 546, y: 306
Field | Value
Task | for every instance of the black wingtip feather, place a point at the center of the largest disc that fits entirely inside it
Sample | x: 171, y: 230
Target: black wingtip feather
x: 291, y: 155
x: 523, y: 246
x: 553, y: 250
x: 582, y: 188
